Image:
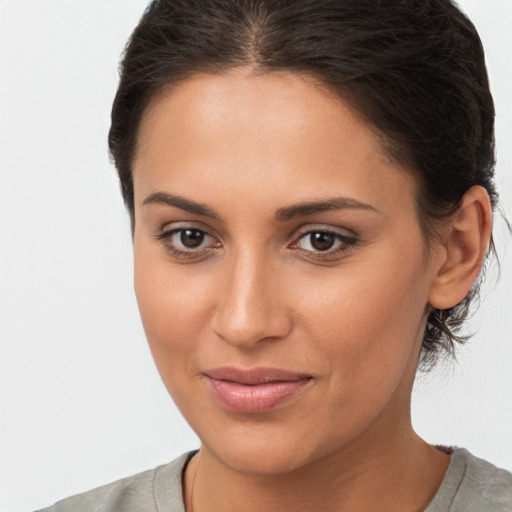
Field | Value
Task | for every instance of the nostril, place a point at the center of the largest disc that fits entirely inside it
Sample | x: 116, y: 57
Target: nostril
x: 251, y: 330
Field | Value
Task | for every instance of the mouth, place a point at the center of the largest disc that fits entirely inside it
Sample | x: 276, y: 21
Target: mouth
x: 255, y: 390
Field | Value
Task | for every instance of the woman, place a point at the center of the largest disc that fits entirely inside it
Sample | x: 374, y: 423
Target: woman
x: 310, y: 185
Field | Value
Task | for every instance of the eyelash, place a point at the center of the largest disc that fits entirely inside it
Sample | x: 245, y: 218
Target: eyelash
x: 166, y: 238
x: 346, y: 243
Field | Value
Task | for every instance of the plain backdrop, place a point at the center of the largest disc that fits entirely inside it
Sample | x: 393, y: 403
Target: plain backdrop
x: 81, y: 403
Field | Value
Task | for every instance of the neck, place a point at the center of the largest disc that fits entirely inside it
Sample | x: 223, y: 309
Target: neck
x: 402, y: 473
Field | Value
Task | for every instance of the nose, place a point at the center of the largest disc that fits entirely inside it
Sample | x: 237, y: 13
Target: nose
x: 251, y: 306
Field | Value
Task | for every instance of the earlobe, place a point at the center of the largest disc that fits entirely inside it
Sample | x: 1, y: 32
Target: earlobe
x: 465, y: 243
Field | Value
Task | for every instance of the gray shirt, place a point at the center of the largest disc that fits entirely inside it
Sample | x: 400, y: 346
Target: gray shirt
x: 470, y: 485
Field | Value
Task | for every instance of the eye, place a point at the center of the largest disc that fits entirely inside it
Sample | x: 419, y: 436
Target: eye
x: 318, y: 241
x: 189, y: 238
x: 188, y: 242
x: 324, y: 243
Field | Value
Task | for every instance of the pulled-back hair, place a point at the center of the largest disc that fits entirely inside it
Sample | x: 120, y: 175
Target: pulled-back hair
x: 414, y: 69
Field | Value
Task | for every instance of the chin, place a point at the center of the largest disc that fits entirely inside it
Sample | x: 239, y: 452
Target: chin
x: 263, y: 451
x: 269, y: 462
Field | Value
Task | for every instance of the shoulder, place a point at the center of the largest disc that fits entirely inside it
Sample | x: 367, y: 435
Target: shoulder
x: 485, y: 484
x: 152, y: 490
x: 472, y: 484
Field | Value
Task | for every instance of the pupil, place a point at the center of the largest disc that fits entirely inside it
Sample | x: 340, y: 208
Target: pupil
x: 322, y: 241
x: 191, y: 238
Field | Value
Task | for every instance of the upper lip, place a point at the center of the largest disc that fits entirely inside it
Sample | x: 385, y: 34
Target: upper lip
x: 254, y: 375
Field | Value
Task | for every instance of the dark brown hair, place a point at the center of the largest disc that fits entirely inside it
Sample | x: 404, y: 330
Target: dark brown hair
x: 414, y: 69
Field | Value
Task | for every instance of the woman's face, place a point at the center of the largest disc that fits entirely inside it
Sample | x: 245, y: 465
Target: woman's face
x: 279, y: 269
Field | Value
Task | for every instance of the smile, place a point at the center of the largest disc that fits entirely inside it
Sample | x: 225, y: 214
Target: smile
x: 254, y: 391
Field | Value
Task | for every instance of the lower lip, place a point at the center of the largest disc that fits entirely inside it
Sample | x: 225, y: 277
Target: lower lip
x: 258, y: 398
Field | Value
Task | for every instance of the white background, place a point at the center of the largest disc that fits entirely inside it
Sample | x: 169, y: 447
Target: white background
x: 81, y: 403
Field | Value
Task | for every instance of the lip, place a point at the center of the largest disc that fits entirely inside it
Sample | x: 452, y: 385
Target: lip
x: 254, y: 390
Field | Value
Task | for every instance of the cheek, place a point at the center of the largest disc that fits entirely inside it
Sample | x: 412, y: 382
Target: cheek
x: 174, y: 308
x: 368, y: 324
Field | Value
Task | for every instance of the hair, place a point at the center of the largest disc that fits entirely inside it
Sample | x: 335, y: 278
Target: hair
x: 414, y: 69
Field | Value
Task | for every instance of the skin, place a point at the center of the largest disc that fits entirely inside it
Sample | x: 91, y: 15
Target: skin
x: 257, y: 294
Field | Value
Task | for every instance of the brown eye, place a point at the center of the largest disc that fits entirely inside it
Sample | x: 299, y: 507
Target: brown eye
x: 321, y: 240
x: 191, y: 238
x: 188, y: 242
x: 324, y: 243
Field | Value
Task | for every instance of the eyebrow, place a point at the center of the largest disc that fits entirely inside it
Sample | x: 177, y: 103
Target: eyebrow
x: 180, y: 202
x: 283, y: 214
x: 313, y: 207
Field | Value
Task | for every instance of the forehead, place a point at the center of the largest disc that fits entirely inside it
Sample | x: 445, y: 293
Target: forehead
x: 287, y: 102
x: 271, y: 133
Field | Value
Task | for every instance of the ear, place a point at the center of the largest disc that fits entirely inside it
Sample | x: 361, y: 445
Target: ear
x: 464, y: 242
